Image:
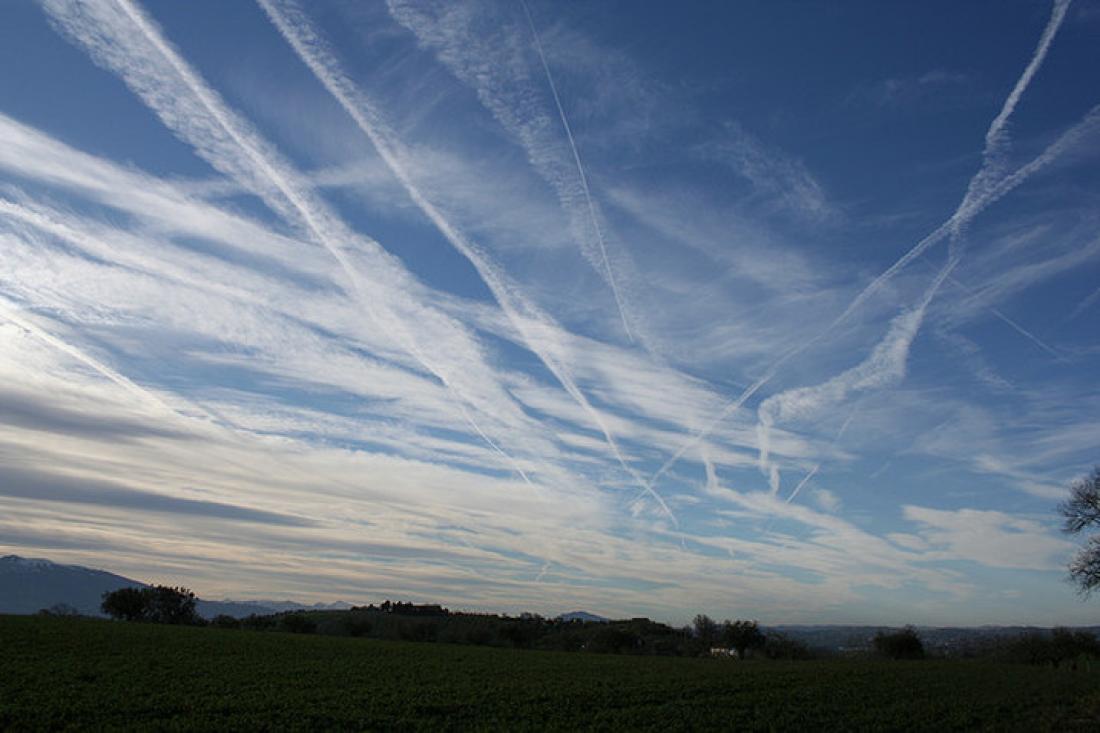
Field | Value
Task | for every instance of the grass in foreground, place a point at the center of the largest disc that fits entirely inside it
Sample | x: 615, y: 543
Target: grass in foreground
x: 64, y: 673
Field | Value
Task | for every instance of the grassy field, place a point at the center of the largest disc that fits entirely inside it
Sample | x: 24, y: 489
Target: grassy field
x: 59, y: 673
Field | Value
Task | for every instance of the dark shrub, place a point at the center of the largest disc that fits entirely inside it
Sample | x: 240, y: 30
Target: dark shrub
x: 255, y: 622
x: 609, y: 639
x: 127, y: 604
x: 1061, y: 645
x: 480, y: 634
x: 169, y: 605
x: 356, y: 624
x: 520, y: 633
x: 160, y: 604
x: 903, y: 644
x: 224, y: 621
x: 742, y: 636
x: 779, y: 646
x: 298, y: 623
x: 418, y: 631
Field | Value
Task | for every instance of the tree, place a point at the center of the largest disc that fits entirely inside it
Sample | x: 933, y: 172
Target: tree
x: 225, y: 621
x: 169, y: 605
x: 1082, y: 511
x: 160, y: 604
x: 706, y: 630
x: 779, y: 646
x: 521, y: 633
x: 299, y: 623
x: 127, y: 604
x: 904, y: 644
x: 613, y: 639
x: 742, y: 636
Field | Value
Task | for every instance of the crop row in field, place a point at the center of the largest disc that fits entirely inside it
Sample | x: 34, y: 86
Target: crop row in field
x: 58, y: 673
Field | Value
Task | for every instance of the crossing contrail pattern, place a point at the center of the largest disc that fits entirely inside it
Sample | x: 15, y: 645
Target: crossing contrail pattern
x: 538, y: 329
x: 580, y: 171
x: 976, y: 200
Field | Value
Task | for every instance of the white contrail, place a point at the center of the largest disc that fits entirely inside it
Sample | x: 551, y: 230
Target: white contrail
x: 492, y: 444
x: 221, y: 137
x: 1011, y: 323
x: 985, y: 186
x: 836, y: 439
x: 805, y: 479
x: 886, y: 364
x: 973, y: 203
x: 10, y: 314
x: 997, y: 137
x: 1085, y: 304
x: 536, y: 327
x: 994, y: 156
x: 503, y: 88
x: 1089, y: 125
x: 213, y: 419
x: 212, y: 423
x: 725, y: 412
x: 1028, y: 335
x: 580, y: 171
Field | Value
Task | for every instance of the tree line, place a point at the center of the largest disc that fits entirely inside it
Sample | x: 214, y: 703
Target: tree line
x: 432, y: 623
x: 735, y: 639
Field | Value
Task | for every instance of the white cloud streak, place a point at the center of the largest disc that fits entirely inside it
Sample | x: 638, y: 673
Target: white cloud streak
x: 973, y: 203
x: 122, y: 38
x: 996, y: 137
x: 364, y: 433
x: 502, y: 80
x: 537, y: 327
x: 885, y: 365
x: 608, y: 272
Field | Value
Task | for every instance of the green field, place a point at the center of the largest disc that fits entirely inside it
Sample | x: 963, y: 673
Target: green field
x: 65, y: 673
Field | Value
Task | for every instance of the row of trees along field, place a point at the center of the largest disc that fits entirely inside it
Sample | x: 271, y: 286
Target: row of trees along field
x: 639, y: 636
x: 433, y: 623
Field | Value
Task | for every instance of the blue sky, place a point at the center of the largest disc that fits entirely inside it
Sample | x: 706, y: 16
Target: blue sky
x: 773, y: 310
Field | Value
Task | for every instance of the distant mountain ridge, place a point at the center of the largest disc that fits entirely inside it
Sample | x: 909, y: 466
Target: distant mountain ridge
x: 28, y: 585
x: 583, y: 616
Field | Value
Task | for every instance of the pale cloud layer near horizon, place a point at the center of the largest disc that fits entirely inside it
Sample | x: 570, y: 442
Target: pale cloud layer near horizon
x: 784, y: 311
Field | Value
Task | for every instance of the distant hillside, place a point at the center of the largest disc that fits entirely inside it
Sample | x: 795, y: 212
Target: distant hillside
x: 266, y: 606
x: 28, y: 585
x: 582, y: 616
x: 938, y: 639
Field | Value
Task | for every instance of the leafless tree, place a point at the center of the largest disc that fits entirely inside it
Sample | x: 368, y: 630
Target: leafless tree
x: 1081, y: 511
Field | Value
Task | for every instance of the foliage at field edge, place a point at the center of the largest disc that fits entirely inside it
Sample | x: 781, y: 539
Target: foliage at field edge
x: 637, y: 636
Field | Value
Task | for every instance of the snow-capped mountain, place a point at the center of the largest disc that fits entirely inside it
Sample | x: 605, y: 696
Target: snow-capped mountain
x: 28, y: 585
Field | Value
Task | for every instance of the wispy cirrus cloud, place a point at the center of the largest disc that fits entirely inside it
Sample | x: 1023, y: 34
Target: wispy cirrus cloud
x: 406, y: 370
x: 991, y: 538
x: 501, y: 73
x: 781, y: 181
x: 122, y: 38
x: 537, y: 327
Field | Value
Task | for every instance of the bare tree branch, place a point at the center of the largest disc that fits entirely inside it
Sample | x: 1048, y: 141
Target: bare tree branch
x: 1082, y: 508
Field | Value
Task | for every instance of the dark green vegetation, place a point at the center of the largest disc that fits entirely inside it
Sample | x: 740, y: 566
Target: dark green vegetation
x: 904, y: 644
x: 432, y: 623
x: 61, y: 673
x: 157, y: 604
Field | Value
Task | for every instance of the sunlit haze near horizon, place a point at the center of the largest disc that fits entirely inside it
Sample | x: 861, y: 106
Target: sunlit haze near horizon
x: 777, y: 310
